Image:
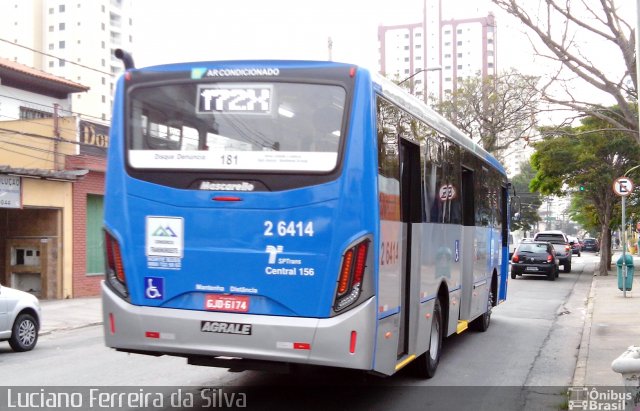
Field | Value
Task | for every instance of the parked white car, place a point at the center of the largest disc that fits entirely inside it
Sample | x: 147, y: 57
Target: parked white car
x: 20, y: 315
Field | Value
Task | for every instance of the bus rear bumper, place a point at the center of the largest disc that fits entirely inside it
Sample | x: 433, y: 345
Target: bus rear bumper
x: 202, y: 334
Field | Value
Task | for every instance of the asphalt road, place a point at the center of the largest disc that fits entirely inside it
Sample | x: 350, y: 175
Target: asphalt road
x: 524, y: 361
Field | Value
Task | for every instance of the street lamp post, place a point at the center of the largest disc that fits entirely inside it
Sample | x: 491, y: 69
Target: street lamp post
x: 422, y: 70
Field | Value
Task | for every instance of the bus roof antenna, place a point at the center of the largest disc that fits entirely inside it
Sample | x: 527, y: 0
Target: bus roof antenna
x: 126, y: 58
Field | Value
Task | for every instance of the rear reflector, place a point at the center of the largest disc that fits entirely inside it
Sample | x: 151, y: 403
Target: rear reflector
x: 352, y: 342
x: 152, y: 334
x: 112, y: 324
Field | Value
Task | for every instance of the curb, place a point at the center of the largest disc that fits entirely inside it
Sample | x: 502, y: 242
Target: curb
x: 76, y: 327
x: 580, y: 372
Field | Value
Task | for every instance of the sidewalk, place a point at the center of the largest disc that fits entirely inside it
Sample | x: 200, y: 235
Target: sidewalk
x: 611, y: 326
x: 60, y: 315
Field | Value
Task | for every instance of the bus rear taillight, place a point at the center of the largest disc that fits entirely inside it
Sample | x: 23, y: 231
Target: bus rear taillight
x: 115, y: 269
x: 354, y: 262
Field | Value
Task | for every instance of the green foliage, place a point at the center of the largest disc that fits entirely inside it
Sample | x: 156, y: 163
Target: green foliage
x: 593, y: 156
x: 530, y: 202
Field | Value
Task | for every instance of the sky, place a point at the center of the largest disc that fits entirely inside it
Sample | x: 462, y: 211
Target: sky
x: 199, y: 30
x: 195, y: 30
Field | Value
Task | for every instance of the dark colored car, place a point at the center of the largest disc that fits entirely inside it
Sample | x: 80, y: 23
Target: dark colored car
x: 560, y: 244
x: 590, y: 244
x: 535, y: 257
x: 576, y: 247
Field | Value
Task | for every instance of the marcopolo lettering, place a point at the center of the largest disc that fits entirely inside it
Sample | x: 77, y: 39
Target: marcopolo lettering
x: 225, y: 328
x: 215, y: 186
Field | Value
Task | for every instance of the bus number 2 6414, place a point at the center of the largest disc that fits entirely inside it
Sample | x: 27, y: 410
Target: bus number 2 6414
x: 288, y: 229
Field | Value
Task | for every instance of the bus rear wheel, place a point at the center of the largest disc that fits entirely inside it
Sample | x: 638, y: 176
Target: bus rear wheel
x: 427, y: 363
x: 482, y: 323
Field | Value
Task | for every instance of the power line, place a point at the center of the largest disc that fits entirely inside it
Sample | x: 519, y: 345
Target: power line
x: 47, y: 106
x: 56, y: 57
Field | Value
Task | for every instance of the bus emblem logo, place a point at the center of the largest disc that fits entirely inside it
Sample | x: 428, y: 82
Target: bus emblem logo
x: 273, y: 252
x: 164, y: 232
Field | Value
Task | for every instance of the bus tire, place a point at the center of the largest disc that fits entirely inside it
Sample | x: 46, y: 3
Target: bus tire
x: 482, y: 323
x: 427, y: 363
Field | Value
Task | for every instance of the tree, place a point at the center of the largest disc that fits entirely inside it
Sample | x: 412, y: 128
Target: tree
x: 565, y: 32
x: 594, y: 156
x: 529, y: 202
x: 494, y: 111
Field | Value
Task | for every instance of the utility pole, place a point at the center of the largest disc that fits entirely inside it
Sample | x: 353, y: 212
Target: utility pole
x: 56, y: 136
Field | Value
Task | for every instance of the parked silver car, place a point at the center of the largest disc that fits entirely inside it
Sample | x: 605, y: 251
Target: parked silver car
x: 19, y: 318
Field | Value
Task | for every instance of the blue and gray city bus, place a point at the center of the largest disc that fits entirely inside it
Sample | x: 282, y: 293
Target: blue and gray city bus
x: 278, y: 213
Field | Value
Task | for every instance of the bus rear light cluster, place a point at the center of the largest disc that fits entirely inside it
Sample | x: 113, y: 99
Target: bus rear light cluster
x: 354, y: 262
x: 115, y: 270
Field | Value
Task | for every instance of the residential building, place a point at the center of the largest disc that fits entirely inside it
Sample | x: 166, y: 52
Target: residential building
x: 52, y: 166
x: 36, y: 189
x: 438, y: 53
x: 72, y: 40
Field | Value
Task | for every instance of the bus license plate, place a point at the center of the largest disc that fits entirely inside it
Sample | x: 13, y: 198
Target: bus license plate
x: 230, y: 303
x: 532, y: 268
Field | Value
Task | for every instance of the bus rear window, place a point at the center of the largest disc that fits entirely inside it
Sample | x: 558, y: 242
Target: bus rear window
x: 236, y: 126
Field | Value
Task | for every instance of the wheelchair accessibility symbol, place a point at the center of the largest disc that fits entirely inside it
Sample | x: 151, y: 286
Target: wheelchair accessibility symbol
x: 154, y: 288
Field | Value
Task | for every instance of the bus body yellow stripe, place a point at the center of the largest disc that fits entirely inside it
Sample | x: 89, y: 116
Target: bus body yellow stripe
x: 405, y: 361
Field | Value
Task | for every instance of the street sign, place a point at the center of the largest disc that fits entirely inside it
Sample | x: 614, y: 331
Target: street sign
x: 623, y: 186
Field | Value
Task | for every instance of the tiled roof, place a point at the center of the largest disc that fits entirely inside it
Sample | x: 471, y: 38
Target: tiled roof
x: 21, y: 76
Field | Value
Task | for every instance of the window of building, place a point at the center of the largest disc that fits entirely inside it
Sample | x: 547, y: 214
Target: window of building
x: 447, y: 56
x: 61, y: 26
x: 447, y: 32
x: 51, y: 10
x: 104, y: 45
x: 459, y: 31
x: 61, y: 8
x: 459, y: 66
x: 50, y: 46
x: 61, y: 63
x: 95, y: 246
x: 51, y: 64
x: 28, y: 113
x: 459, y: 43
x: 61, y: 44
x: 459, y: 55
x: 447, y: 43
x: 50, y: 28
